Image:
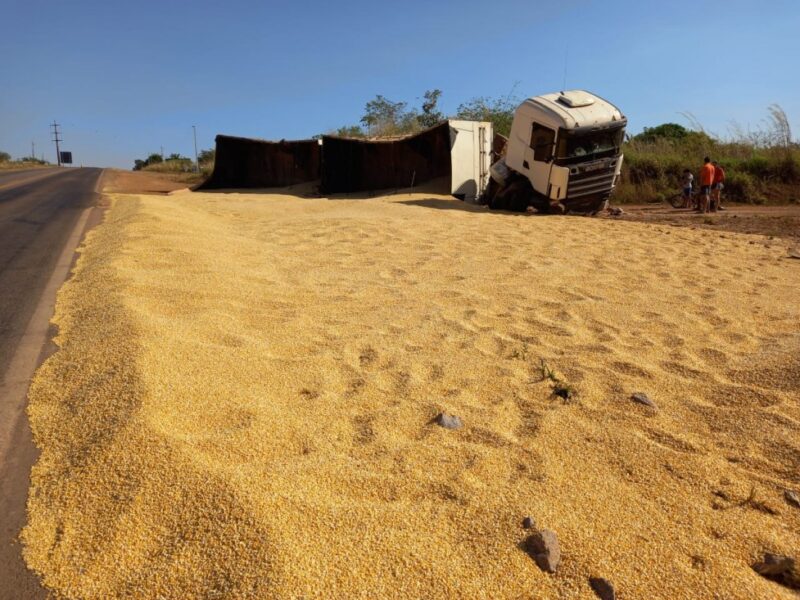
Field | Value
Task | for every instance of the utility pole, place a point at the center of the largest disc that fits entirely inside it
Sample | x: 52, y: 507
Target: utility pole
x: 33, y: 149
x: 162, y: 153
x: 196, y: 162
x: 57, y: 139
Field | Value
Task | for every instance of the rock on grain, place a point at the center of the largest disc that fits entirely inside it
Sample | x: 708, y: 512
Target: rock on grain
x: 780, y: 568
x: 603, y: 588
x: 792, y: 498
x: 448, y: 421
x: 543, y: 547
x: 643, y: 398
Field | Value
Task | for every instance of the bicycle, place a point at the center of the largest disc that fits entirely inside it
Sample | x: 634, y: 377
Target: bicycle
x: 694, y: 201
x: 680, y: 201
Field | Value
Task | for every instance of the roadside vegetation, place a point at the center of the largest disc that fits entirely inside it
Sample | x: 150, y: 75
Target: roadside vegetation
x: 180, y: 168
x: 761, y: 165
x: 25, y: 162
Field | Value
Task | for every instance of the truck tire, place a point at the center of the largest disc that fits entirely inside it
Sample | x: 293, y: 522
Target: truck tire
x: 520, y: 194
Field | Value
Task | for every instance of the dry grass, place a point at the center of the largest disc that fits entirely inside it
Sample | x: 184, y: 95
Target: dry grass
x: 241, y: 404
x: 20, y: 164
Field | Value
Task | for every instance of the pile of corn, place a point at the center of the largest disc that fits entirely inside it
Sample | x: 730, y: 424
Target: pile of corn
x: 242, y: 404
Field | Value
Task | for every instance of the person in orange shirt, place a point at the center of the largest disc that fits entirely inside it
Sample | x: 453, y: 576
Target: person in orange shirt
x: 716, y: 187
x: 706, y: 181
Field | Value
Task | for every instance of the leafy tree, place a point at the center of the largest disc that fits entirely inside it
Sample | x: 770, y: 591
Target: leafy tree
x: 207, y: 156
x: 385, y: 117
x: 670, y: 131
x: 154, y: 159
x: 5, y: 157
x: 676, y: 135
x: 431, y: 115
x: 350, y: 131
x: 139, y: 164
x: 176, y: 156
x: 498, y: 111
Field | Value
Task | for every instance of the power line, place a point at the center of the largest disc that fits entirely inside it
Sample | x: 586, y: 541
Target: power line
x: 57, y: 139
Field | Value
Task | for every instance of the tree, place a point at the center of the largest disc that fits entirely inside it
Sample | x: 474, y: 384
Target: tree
x: 430, y: 114
x: 5, y: 157
x: 350, y: 131
x: 207, y: 156
x: 498, y: 111
x: 385, y: 117
x: 676, y: 134
x: 154, y: 159
x: 176, y: 156
x: 670, y: 131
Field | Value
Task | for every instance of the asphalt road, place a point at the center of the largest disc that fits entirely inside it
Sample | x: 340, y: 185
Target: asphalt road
x: 41, y: 211
x: 38, y: 210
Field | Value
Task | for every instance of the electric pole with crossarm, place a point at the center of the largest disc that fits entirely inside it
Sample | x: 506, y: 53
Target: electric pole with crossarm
x: 57, y: 139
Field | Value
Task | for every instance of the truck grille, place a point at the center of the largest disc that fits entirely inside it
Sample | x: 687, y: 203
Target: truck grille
x: 582, y: 183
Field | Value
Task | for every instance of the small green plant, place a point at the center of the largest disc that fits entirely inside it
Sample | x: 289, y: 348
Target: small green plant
x: 547, y: 372
x: 561, y: 388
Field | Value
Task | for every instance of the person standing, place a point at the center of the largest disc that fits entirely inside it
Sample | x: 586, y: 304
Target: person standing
x: 706, y: 181
x: 688, y: 182
x: 716, y: 187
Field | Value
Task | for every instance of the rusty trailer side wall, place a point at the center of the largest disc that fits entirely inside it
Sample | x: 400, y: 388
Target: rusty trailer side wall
x: 351, y: 165
x: 251, y: 163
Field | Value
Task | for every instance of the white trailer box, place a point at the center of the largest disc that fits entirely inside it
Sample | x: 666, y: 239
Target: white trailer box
x: 470, y: 158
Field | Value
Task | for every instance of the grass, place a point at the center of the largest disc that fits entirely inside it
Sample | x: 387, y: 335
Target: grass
x: 652, y: 170
x: 182, y: 170
x: 10, y: 165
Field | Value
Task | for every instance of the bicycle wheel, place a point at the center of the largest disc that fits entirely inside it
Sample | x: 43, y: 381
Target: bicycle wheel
x: 676, y: 201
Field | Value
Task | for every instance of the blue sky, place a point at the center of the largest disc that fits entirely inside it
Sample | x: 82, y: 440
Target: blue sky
x: 126, y: 78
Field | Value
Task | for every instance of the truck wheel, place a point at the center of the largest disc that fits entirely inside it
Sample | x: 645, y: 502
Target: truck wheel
x: 519, y: 195
x: 519, y: 202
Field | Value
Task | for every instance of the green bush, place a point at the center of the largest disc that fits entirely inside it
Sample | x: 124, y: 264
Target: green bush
x: 787, y: 170
x: 757, y: 166
x: 740, y: 186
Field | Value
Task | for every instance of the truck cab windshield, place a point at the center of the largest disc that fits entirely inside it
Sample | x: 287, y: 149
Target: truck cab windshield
x: 578, y: 147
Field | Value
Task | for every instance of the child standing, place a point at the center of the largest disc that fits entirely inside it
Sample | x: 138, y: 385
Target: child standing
x: 687, y: 181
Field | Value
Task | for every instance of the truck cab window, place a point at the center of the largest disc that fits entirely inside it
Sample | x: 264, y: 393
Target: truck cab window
x: 542, y: 139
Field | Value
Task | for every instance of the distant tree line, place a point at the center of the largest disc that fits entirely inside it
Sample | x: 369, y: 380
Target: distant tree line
x: 384, y: 117
x: 175, y: 162
x: 5, y: 157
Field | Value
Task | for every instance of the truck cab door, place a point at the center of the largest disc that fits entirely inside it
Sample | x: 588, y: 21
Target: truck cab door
x: 539, y: 156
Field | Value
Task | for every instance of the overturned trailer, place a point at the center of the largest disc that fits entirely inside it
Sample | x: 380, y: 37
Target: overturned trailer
x: 456, y: 152
x: 251, y: 163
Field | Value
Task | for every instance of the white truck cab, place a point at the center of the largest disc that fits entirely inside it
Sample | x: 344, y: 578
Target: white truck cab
x: 567, y: 146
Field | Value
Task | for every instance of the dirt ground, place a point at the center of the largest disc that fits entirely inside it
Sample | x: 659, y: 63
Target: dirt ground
x: 770, y: 221
x: 246, y: 389
x: 143, y: 182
